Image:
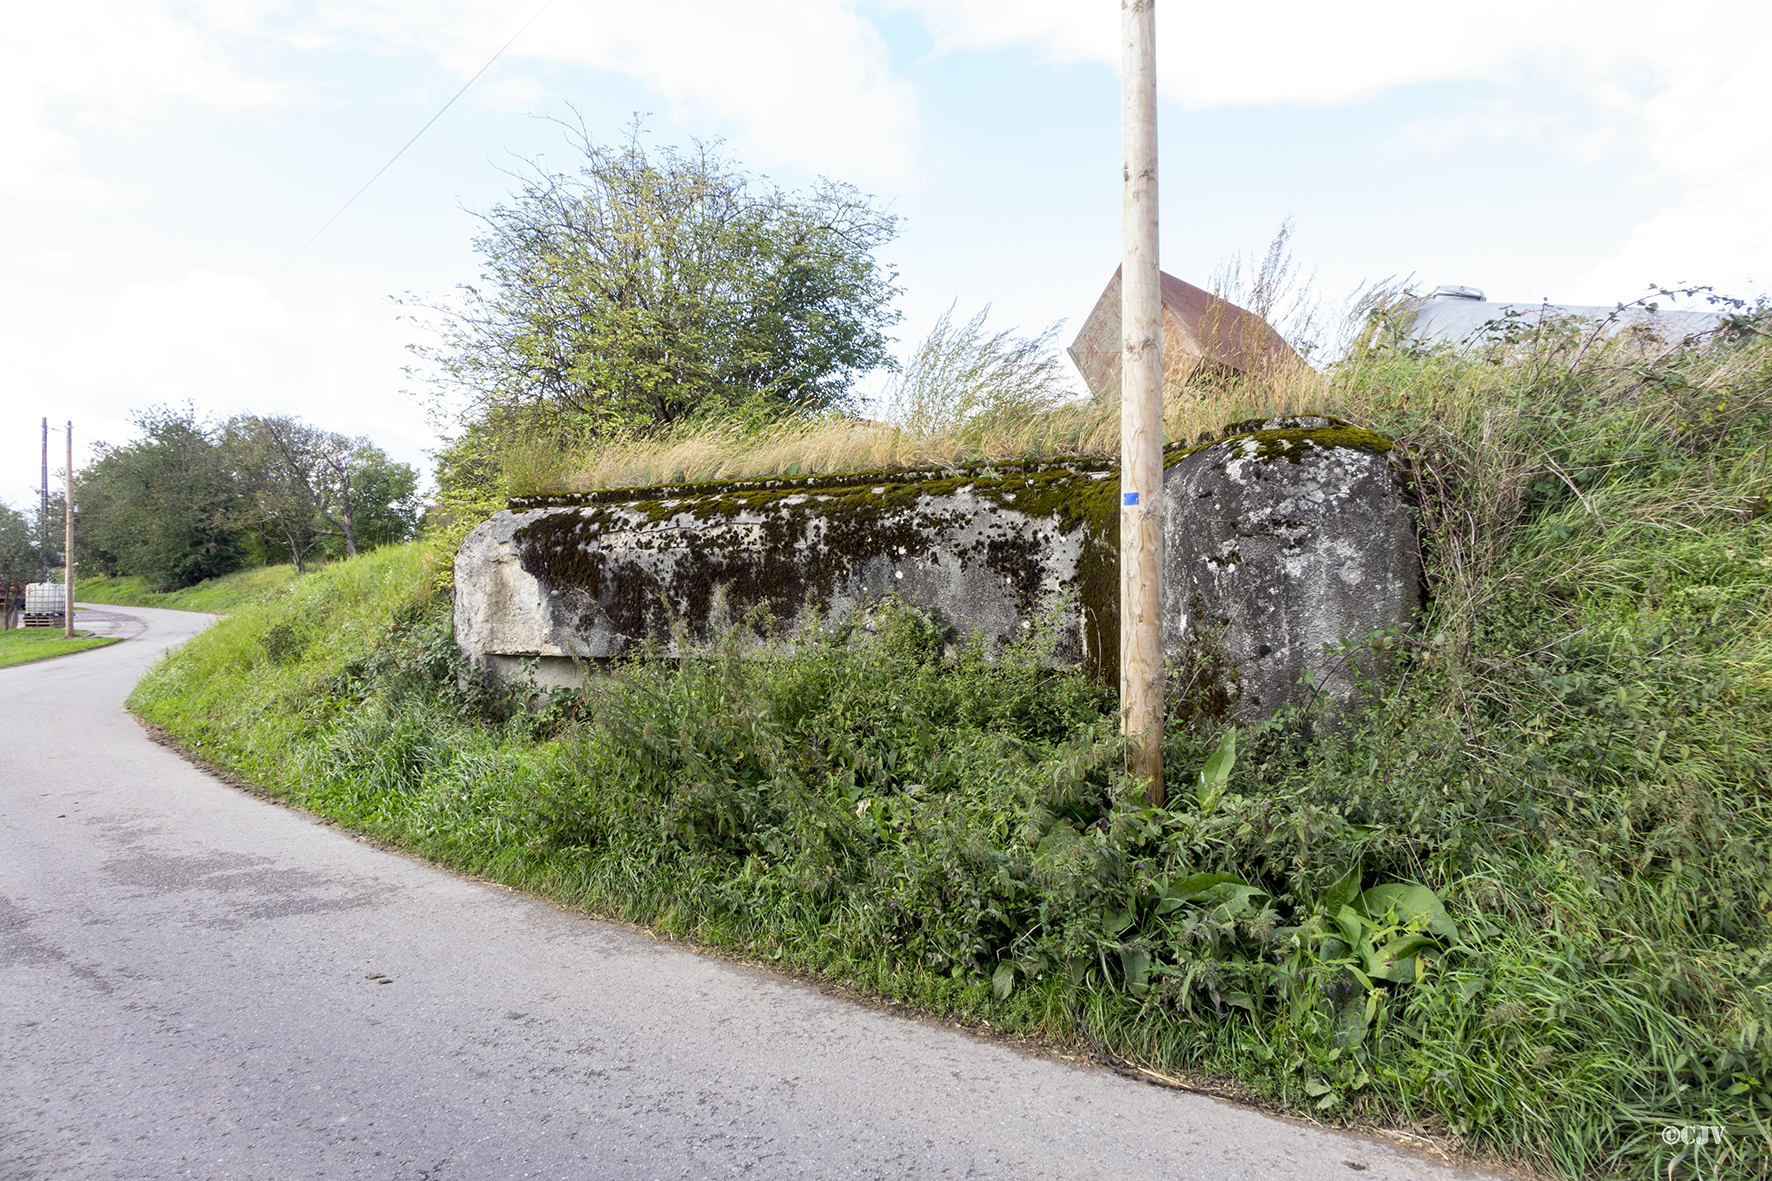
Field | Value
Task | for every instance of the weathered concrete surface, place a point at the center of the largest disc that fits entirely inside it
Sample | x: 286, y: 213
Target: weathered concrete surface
x: 191, y: 986
x: 990, y: 552
x: 1287, y: 537
x: 1292, y: 541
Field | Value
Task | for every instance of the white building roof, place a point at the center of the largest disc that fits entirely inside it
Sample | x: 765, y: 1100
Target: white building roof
x: 1461, y: 315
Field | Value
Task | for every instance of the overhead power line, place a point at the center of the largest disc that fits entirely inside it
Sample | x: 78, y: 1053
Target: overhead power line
x: 413, y: 140
x: 189, y: 349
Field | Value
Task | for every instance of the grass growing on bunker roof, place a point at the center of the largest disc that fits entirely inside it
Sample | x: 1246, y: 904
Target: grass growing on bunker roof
x: 1520, y: 905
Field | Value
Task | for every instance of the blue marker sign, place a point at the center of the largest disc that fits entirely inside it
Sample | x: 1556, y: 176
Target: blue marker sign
x: 1127, y: 499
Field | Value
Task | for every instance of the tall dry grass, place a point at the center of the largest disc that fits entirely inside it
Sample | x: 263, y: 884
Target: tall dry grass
x: 970, y: 396
x: 1078, y: 426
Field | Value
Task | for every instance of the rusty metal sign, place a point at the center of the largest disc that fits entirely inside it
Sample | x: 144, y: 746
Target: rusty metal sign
x: 1198, y: 329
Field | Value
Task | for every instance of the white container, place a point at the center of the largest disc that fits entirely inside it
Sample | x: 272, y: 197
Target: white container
x: 45, y: 598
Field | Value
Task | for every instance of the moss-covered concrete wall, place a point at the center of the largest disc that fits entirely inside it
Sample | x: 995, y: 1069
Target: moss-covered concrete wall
x: 1282, y: 541
x: 994, y: 551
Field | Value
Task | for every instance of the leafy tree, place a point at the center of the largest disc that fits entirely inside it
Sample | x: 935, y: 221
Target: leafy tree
x: 20, y: 557
x: 369, y: 499
x: 165, y: 506
x: 280, y: 471
x: 190, y: 500
x: 650, y: 287
x: 304, y: 484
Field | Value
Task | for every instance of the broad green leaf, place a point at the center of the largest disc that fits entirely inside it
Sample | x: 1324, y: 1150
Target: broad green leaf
x: 1198, y: 883
x: 1136, y: 963
x: 1353, y: 925
x: 1003, y: 981
x: 1395, y: 961
x: 1235, y: 900
x: 1217, y: 772
x: 1344, y: 891
x: 1197, y: 887
x: 1411, y: 903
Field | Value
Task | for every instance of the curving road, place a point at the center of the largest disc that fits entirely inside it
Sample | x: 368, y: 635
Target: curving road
x: 195, y: 983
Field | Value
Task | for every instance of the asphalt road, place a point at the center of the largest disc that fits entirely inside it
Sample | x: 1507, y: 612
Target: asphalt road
x: 195, y: 983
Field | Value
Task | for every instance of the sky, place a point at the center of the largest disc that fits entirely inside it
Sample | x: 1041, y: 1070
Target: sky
x: 162, y: 165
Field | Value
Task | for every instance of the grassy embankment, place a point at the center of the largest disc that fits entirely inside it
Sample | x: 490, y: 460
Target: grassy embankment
x: 21, y: 645
x: 218, y: 595
x: 1573, y: 764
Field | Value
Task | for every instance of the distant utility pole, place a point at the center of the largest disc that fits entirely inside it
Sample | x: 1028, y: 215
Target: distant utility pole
x: 1141, y: 401
x: 68, y: 542
x: 43, y: 508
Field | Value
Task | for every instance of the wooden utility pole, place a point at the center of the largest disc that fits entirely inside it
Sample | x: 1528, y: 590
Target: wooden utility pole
x: 1141, y: 401
x: 68, y: 541
x: 43, y: 505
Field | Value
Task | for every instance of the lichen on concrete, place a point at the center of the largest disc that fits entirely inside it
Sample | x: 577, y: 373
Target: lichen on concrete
x: 1275, y: 536
x: 600, y: 575
x: 1285, y: 543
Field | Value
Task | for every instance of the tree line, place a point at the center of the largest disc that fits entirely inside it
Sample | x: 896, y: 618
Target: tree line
x: 192, y: 499
x: 21, y: 548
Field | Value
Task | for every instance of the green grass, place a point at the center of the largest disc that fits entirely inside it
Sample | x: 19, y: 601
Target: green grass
x: 219, y: 595
x: 23, y: 645
x: 1571, y: 761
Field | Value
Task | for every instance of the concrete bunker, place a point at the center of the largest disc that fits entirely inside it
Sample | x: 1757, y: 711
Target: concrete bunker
x: 1283, y: 537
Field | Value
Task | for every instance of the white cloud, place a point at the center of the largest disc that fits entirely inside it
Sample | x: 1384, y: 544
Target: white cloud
x: 232, y: 345
x: 222, y: 332
x: 1681, y: 87
x: 805, y: 83
x: 1713, y: 235
x: 518, y: 95
x: 1493, y: 120
x: 808, y: 83
x: 1058, y: 30
x: 1697, y: 123
x: 66, y: 68
x: 224, y: 342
